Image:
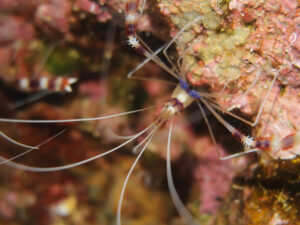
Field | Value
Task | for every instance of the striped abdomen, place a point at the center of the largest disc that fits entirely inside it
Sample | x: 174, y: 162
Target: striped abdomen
x: 56, y: 84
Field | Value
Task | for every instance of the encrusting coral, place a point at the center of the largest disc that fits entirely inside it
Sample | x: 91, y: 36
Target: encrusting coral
x: 237, y: 49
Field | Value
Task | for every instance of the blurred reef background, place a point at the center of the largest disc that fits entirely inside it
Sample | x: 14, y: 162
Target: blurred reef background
x: 237, y: 49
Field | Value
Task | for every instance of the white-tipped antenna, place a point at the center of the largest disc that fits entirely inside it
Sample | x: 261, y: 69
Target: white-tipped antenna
x: 239, y: 154
x: 7, y: 120
x: 197, y: 19
x: 30, y: 99
x: 31, y: 149
x: 137, y: 149
x: 261, y: 107
x: 181, y: 209
x: 57, y: 168
x: 148, y: 138
x: 106, y: 57
x: 15, y: 142
x: 209, y: 128
x: 145, y: 61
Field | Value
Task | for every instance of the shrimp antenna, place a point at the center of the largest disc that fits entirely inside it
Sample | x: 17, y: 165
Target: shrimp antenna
x: 32, y: 98
x: 107, y: 55
x: 33, y: 148
x: 181, y: 209
x: 148, y: 139
x: 15, y: 142
x: 57, y: 168
x: 73, y: 120
x: 239, y: 154
x: 146, y: 61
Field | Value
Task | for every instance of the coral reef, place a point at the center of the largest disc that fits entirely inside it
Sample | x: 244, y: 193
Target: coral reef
x: 70, y: 39
x: 268, y: 196
x: 236, y: 49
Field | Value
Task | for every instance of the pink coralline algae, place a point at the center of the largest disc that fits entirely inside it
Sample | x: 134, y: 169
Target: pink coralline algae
x: 104, y: 9
x: 14, y: 39
x: 31, y: 32
x: 53, y: 15
x: 21, y: 6
x: 212, y: 175
x: 237, y: 50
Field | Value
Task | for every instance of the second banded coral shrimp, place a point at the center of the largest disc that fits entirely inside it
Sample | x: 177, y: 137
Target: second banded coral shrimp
x: 36, y: 86
x: 23, y: 61
x: 181, y: 99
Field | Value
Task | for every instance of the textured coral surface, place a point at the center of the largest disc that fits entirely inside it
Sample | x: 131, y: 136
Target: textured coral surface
x: 237, y: 48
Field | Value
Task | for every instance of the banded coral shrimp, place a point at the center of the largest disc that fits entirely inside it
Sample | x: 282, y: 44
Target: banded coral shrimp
x: 173, y: 106
x: 267, y: 72
x: 52, y: 199
x: 194, y: 46
x: 17, y: 56
x: 222, y: 45
x: 49, y: 193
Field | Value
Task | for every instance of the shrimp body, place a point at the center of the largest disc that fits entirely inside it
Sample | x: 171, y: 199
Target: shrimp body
x: 182, y: 96
x: 279, y: 147
x: 57, y: 84
x: 179, y: 100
